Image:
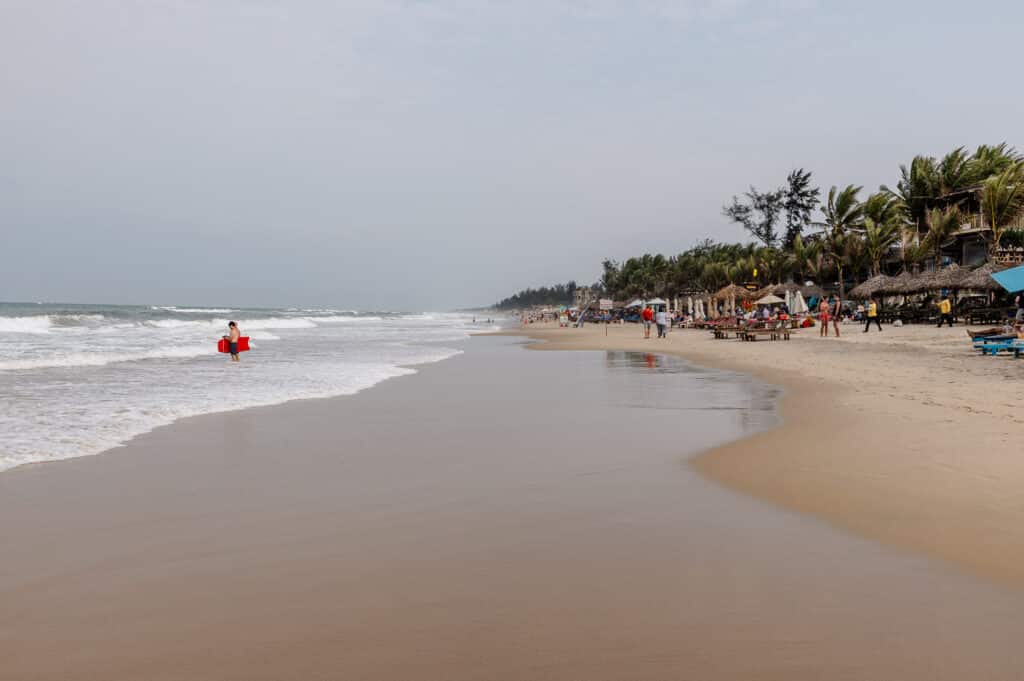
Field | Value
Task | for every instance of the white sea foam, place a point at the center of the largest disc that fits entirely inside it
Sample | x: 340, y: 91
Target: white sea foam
x: 273, y: 323
x: 341, y: 319
x: 95, y: 359
x: 243, y: 324
x: 36, y: 324
x: 84, y: 380
x: 194, y: 310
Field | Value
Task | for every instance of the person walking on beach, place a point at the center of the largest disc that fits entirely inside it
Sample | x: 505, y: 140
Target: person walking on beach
x: 945, y: 311
x: 872, y: 316
x: 662, y: 320
x: 648, y: 316
x: 233, y: 335
x: 837, y: 312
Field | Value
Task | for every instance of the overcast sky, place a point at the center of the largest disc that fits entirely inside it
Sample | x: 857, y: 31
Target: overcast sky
x: 440, y: 153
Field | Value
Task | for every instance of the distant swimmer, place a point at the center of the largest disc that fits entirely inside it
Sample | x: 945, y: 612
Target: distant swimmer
x: 233, y: 335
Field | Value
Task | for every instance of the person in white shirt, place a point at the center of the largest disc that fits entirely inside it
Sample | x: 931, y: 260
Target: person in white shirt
x: 661, y: 319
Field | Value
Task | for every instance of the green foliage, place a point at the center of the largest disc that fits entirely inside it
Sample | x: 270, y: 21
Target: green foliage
x: 758, y: 214
x: 942, y: 226
x: 1012, y: 238
x: 760, y: 211
x: 878, y: 237
x: 1002, y: 200
x: 800, y: 200
x: 921, y: 216
x: 559, y: 294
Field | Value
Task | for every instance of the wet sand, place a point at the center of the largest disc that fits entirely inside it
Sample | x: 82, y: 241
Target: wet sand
x: 908, y: 437
x: 502, y: 515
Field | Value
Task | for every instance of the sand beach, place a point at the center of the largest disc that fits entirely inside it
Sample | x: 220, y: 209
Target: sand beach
x: 907, y: 436
x: 511, y: 514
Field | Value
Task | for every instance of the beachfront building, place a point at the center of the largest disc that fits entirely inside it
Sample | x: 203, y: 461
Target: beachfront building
x: 583, y: 296
x: 970, y: 245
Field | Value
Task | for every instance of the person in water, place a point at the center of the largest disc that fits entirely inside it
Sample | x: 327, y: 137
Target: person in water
x: 233, y: 335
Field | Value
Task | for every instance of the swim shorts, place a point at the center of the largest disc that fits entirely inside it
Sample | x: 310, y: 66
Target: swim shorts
x: 233, y: 348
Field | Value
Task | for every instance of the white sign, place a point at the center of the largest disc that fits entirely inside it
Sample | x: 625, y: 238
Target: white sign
x: 605, y: 303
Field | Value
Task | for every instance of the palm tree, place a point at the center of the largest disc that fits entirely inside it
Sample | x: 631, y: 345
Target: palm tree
x: 943, y: 225
x: 917, y: 189
x: 992, y: 160
x: 1002, y: 200
x: 883, y: 207
x: 955, y: 172
x: 843, y: 213
x: 806, y: 258
x: 772, y: 265
x: 878, y: 236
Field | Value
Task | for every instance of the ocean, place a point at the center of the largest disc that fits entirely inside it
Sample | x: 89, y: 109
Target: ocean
x: 79, y: 379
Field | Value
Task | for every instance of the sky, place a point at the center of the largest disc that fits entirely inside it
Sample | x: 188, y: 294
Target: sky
x: 434, y: 154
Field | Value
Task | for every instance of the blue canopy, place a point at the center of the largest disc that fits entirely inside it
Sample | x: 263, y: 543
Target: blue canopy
x: 1012, y: 279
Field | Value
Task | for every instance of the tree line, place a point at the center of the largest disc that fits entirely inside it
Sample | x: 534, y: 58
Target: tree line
x: 559, y: 294
x: 844, y: 235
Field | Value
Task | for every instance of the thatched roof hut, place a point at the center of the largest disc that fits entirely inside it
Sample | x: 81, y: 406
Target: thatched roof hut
x: 903, y: 284
x: 981, y: 279
x: 870, y: 287
x: 732, y: 291
x: 949, y: 277
x: 807, y: 290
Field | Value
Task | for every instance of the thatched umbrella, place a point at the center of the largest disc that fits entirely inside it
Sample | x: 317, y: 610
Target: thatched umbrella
x: 732, y: 291
x: 981, y: 279
x: 870, y: 287
x: 807, y: 290
x: 903, y: 284
x: 949, y: 277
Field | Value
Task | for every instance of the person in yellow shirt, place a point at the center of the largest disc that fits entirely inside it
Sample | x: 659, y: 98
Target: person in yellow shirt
x: 872, y: 316
x: 945, y: 310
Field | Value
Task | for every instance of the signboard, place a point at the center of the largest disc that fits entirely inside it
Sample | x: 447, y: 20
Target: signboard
x: 605, y: 303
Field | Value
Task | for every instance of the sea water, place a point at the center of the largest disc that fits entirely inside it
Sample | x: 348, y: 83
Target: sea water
x: 79, y: 379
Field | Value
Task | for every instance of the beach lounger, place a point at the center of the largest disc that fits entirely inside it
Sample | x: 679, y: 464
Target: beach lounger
x: 995, y: 348
x: 987, y: 342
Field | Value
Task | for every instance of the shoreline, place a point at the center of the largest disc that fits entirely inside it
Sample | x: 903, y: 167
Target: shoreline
x: 500, y: 515
x: 410, y: 369
x: 913, y: 471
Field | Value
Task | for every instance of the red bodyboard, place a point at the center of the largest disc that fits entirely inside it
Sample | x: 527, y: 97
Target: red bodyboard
x: 243, y: 344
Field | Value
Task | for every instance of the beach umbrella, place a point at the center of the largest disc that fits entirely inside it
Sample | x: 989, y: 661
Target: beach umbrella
x: 656, y: 301
x: 1012, y: 279
x: 732, y: 290
x: 770, y: 300
x: 870, y: 287
x: 799, y: 304
x: 689, y: 304
x: 903, y: 284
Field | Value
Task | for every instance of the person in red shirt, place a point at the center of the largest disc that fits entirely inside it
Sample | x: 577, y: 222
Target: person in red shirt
x: 648, y: 316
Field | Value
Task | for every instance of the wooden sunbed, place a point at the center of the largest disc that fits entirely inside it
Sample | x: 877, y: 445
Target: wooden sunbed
x: 778, y: 332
